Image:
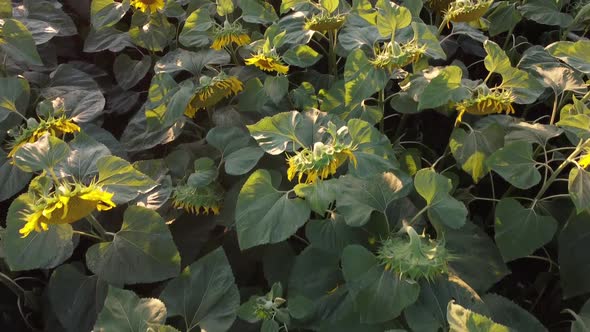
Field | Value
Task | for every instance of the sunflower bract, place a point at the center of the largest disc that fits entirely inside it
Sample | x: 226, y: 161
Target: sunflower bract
x: 268, y: 63
x: 212, y: 90
x: 467, y: 10
x: 56, y: 127
x: 486, y: 102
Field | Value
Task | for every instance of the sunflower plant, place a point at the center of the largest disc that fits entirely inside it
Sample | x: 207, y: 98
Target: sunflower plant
x: 306, y: 165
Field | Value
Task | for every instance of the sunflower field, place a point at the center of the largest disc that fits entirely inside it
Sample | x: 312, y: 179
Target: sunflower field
x: 299, y: 165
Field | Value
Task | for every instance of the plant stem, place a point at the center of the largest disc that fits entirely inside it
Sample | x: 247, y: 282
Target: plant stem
x: 421, y: 212
x: 559, y: 169
x: 88, y: 235
x: 332, y: 65
x: 381, y: 105
x: 554, y: 112
x: 98, y: 227
x: 508, y: 37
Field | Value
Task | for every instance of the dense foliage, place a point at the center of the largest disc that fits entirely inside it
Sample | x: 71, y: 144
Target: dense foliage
x: 240, y: 165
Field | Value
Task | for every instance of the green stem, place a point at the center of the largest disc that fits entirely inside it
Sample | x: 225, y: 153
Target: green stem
x: 400, y: 126
x: 554, y: 112
x: 54, y: 176
x: 13, y: 286
x: 441, y: 27
x: 98, y: 227
x: 508, y: 37
x: 559, y: 169
x: 421, y: 212
x: 88, y: 235
x: 332, y: 54
x: 381, y: 105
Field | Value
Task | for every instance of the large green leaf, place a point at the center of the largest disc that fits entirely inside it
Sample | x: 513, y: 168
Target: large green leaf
x: 561, y: 79
x: 374, y: 153
x: 106, y: 13
x: 314, y: 273
x: 477, y: 260
x: 464, y: 320
x: 504, y: 17
x: 142, y: 251
x: 44, y: 154
x: 436, y: 86
x: 193, y: 62
x: 301, y: 56
x: 204, y: 294
x: 18, y: 43
x: 391, y: 17
x: 124, y: 311
x: 519, y: 230
x: 471, y: 149
x: 428, y: 312
x: 14, y: 96
x: 333, y: 103
x: 442, y: 207
x: 357, y: 199
x: 129, y: 72
x: 194, y: 31
x: 151, y: 32
x: 256, y: 11
x: 12, y: 179
x: 118, y: 176
x: 239, y: 152
x: 42, y: 250
x: 333, y: 234
x: 515, y: 164
x: 265, y: 214
x: 508, y: 313
x: 579, y: 188
x: 546, y: 12
x: 76, y: 299
x: 525, y: 87
x: 379, y: 295
x: 575, y: 54
x: 574, y: 266
x: 361, y: 78
x: 319, y: 195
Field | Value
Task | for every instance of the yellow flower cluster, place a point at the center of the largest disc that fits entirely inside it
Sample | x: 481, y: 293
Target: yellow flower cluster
x: 486, y: 102
x: 212, y: 90
x: 151, y: 6
x: 228, y: 34
x: 54, y: 126
x: 323, y: 160
x: 194, y: 200
x: 466, y: 10
x: 324, y: 22
x: 268, y: 62
x: 68, y: 204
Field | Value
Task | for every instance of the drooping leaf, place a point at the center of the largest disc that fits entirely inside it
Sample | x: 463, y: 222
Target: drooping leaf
x: 14, y: 96
x: 124, y: 311
x: 391, y: 17
x: 504, y: 17
x: 442, y: 207
x: 520, y: 230
x: 361, y: 78
x: 545, y: 12
x: 265, y: 214
x: 515, y: 164
x: 301, y: 56
x: 204, y: 294
x: 76, y: 298
x: 194, y: 33
x: 151, y: 32
x: 256, y: 11
x: 333, y: 234
x: 314, y: 273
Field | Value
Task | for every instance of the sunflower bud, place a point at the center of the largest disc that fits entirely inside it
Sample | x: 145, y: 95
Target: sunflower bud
x: 414, y: 256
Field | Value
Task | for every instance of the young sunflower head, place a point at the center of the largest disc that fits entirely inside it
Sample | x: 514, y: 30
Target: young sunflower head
x: 196, y: 199
x: 324, y: 22
x: 466, y: 10
x: 67, y: 204
x: 150, y: 6
x: 486, y: 101
x: 211, y: 90
x: 35, y: 130
x: 268, y: 62
x: 394, y: 55
x: 322, y: 160
x: 230, y: 33
x: 414, y: 256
